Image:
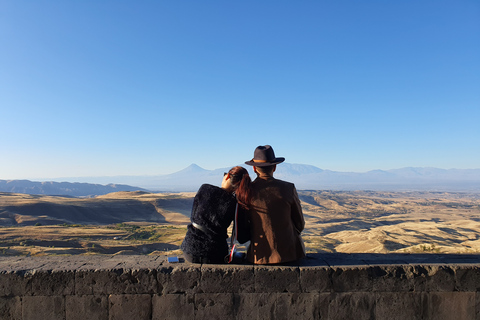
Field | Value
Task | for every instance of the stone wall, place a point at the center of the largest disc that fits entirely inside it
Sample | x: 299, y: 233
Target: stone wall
x: 325, y: 286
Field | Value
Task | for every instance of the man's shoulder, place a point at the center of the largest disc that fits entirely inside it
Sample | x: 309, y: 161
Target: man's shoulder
x: 274, y: 181
x: 286, y: 183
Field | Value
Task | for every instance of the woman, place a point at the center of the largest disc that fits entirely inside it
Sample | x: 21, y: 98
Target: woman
x: 212, y: 213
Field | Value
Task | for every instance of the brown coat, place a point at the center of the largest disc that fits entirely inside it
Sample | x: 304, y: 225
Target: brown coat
x: 276, y: 221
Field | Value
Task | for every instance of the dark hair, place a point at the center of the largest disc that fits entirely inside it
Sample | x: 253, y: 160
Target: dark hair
x: 266, y: 169
x: 241, y: 179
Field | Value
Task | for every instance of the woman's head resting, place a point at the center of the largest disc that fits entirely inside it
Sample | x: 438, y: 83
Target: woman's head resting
x: 238, y: 180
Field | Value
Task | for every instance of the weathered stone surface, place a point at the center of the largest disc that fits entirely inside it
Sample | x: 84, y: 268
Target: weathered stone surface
x: 434, y: 278
x: 173, y: 306
x: 392, y: 278
x: 401, y: 305
x: 96, y: 282
x: 11, y: 308
x: 179, y: 279
x: 43, y: 307
x: 298, y: 306
x: 229, y: 278
x: 14, y: 284
x: 477, y: 305
x: 467, y: 278
x: 251, y: 306
x: 130, y: 306
x: 11, y: 264
x: 244, y: 305
x: 352, y: 279
x: 351, y: 305
x: 451, y: 305
x: 60, y: 263
x: 214, y: 306
x: 316, y: 280
x: 136, y: 262
x: 83, y: 289
x: 140, y: 281
x: 116, y: 281
x: 46, y: 283
x: 86, y: 307
x: 277, y: 279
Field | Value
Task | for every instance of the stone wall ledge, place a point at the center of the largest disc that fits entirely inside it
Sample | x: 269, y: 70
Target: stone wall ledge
x: 324, y: 286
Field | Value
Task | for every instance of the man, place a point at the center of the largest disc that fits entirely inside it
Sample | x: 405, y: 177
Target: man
x: 276, y: 218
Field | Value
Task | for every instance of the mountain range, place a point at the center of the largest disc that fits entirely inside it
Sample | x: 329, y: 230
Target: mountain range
x: 62, y: 188
x: 305, y: 177
x: 308, y: 177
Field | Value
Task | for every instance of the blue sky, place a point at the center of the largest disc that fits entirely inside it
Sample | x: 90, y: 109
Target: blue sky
x: 103, y: 88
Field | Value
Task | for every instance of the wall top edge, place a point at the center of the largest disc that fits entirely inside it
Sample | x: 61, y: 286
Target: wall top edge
x: 33, y: 264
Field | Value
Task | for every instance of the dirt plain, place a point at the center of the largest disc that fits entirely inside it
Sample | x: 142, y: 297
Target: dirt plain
x: 153, y: 223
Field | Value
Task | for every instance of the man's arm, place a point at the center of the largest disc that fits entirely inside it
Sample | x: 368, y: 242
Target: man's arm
x: 297, y: 213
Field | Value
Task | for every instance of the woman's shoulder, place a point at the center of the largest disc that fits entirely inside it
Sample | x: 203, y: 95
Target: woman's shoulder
x: 206, y: 187
x: 211, y: 191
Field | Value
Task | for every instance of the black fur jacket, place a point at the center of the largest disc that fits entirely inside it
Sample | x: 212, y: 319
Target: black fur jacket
x: 213, y: 210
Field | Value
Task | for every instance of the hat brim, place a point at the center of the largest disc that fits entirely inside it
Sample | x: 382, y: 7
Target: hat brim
x: 265, y: 164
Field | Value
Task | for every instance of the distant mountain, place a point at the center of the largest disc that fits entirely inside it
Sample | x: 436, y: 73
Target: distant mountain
x: 308, y: 177
x: 62, y: 188
x: 313, y: 178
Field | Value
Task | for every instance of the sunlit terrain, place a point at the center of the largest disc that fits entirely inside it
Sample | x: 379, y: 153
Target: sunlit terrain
x: 153, y: 223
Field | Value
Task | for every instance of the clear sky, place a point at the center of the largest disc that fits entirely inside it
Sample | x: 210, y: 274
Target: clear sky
x: 102, y: 88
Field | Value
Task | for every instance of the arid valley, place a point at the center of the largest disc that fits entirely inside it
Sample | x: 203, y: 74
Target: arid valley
x: 154, y: 223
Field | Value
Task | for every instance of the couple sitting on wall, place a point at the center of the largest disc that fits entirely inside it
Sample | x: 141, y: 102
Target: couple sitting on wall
x: 266, y: 212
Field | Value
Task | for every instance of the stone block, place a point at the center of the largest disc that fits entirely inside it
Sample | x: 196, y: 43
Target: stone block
x: 401, y: 305
x: 477, y: 305
x: 100, y: 262
x: 277, y: 279
x: 59, y: 263
x: 451, y: 305
x: 214, y: 306
x: 117, y: 281
x: 137, y: 261
x: 300, y: 306
x: 140, y: 281
x: 173, y: 306
x: 46, y: 283
x: 315, y: 280
x: 130, y: 306
x: 347, y: 279
x: 231, y: 279
x: 321, y: 305
x: 252, y: 306
x: 351, y: 305
x: 97, y: 282
x: 436, y: 279
x: 392, y: 278
x: 11, y: 308
x: 43, y: 307
x: 467, y: 278
x: 14, y: 284
x: 86, y: 307
x: 179, y: 279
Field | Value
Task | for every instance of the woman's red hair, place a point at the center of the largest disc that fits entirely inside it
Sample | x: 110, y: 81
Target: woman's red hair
x: 241, y: 179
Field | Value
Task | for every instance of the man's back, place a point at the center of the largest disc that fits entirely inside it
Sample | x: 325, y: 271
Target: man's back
x: 276, y: 221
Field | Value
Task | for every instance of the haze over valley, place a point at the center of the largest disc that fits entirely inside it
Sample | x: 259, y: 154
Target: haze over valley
x: 305, y: 177
x: 146, y: 223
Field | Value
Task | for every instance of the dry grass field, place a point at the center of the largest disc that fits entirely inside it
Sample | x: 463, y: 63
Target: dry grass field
x: 152, y: 223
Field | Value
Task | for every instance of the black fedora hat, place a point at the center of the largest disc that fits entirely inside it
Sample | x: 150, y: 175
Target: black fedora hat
x: 264, y: 156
